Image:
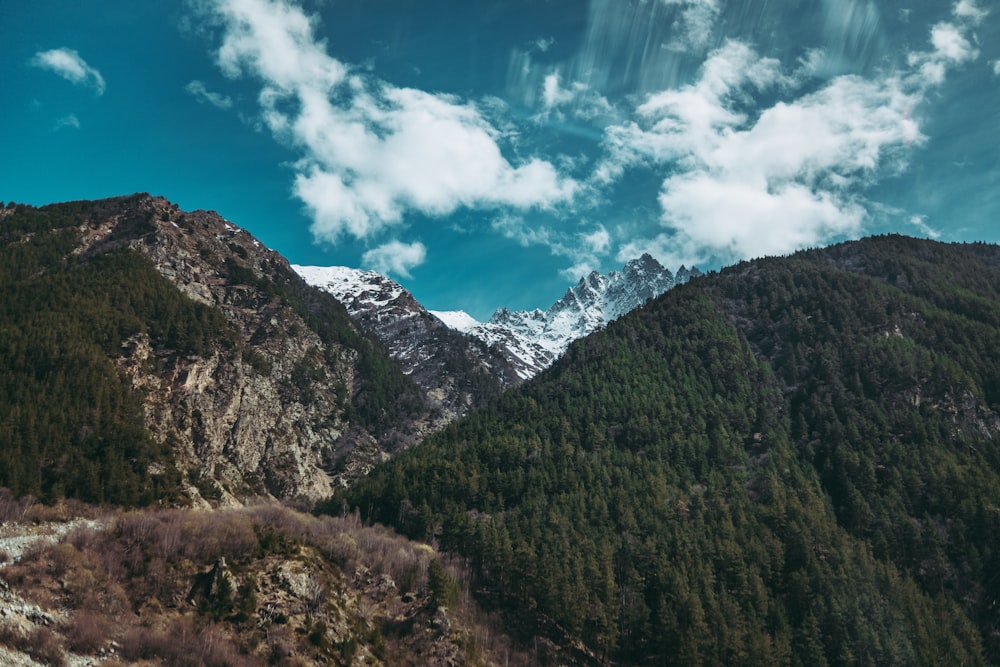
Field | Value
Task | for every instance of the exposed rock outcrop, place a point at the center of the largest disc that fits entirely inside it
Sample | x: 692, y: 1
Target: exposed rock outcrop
x: 293, y: 389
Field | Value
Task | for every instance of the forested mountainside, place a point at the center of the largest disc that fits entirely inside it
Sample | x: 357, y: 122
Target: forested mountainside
x: 792, y: 461
x: 148, y: 354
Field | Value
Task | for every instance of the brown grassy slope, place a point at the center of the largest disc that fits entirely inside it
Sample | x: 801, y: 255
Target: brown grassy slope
x: 251, y: 586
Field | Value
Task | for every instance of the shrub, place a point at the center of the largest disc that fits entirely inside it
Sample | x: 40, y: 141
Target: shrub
x: 44, y: 646
x: 88, y: 633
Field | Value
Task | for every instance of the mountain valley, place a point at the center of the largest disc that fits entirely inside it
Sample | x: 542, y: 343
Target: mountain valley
x: 794, y: 460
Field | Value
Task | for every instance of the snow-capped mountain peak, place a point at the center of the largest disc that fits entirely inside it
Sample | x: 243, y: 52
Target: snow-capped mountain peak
x: 529, y: 340
x: 356, y: 289
x: 590, y: 304
x: 533, y: 339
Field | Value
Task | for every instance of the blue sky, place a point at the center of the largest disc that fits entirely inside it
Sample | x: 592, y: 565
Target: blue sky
x: 487, y: 154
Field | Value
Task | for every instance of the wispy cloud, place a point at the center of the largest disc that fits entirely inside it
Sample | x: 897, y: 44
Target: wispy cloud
x: 920, y: 222
x: 395, y: 257
x: 67, y: 121
x: 200, y: 92
x: 370, y: 151
x: 583, y: 249
x: 626, y: 48
x: 544, y: 44
x: 581, y: 101
x: 68, y: 64
x: 696, y: 23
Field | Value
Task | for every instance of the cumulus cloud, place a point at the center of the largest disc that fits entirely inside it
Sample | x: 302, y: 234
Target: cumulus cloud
x: 598, y: 241
x: 968, y: 9
x: 395, y: 257
x: 741, y: 180
x: 685, y: 123
x: 577, y: 100
x: 68, y: 64
x: 370, y: 151
x: 200, y: 92
x: 553, y: 94
x: 951, y: 43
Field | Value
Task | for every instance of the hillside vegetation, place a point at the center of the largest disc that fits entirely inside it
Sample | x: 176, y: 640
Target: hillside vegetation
x: 148, y: 355
x: 70, y: 425
x: 793, y: 461
x: 259, y: 585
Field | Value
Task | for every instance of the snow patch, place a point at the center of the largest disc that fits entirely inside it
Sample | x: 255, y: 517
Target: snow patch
x: 459, y: 320
x: 352, y: 287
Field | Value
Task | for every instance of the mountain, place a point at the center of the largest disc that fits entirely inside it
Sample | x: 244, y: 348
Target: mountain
x: 151, y: 354
x: 532, y: 340
x: 458, y: 373
x: 793, y: 461
x: 512, y: 346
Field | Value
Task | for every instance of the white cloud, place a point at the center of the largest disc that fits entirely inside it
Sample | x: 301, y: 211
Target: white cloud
x: 67, y: 121
x: 696, y: 24
x: 996, y: 67
x: 577, y: 100
x: 968, y: 9
x: 680, y: 124
x: 598, y: 241
x: 544, y: 44
x: 950, y: 44
x: 201, y: 93
x: 553, y: 94
x: 739, y: 218
x: 395, y: 257
x: 371, y: 151
x: 584, y: 249
x: 920, y: 222
x: 515, y: 228
x: 68, y: 64
x: 740, y: 181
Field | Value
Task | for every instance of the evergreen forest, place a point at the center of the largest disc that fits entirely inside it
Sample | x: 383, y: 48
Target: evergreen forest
x: 792, y: 461
x: 72, y: 425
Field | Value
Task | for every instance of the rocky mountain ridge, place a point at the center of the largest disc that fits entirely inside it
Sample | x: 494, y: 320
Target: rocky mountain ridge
x: 539, y: 337
x: 512, y: 346
x: 457, y: 372
x: 282, y: 395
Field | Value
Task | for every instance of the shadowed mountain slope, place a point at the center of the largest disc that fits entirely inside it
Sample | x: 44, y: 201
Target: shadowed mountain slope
x: 792, y: 461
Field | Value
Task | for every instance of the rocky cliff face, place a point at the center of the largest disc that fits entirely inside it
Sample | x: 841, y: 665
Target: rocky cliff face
x: 457, y: 372
x: 297, y: 391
